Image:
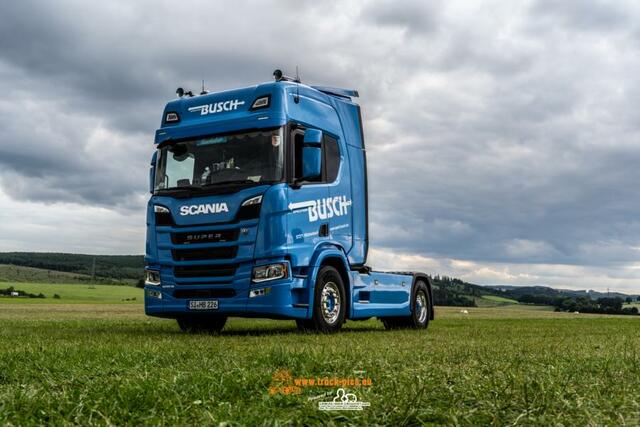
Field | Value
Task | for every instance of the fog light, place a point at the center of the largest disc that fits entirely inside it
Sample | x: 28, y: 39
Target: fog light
x: 152, y: 277
x: 154, y: 294
x: 259, y: 292
x: 268, y: 272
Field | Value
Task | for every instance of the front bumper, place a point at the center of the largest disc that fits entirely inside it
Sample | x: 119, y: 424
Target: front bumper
x: 281, y: 299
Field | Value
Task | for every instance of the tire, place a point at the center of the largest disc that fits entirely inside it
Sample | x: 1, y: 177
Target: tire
x: 329, y: 303
x: 420, y: 311
x: 195, y: 325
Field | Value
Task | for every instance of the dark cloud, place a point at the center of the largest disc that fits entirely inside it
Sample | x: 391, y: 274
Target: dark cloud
x: 498, y: 134
x: 415, y: 17
x: 585, y: 15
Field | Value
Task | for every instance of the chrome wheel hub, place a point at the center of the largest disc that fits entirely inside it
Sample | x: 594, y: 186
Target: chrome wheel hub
x: 421, y: 306
x: 330, y: 302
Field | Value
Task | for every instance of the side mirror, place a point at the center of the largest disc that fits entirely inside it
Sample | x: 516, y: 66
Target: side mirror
x: 312, y: 154
x: 313, y: 137
x: 152, y: 172
x: 311, y: 162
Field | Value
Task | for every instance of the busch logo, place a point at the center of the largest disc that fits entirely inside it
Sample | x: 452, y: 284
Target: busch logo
x: 323, y: 208
x: 217, y: 107
x: 210, y: 208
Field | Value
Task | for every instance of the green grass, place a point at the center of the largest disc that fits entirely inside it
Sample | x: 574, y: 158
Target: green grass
x: 108, y: 364
x: 74, y: 293
x: 499, y: 299
x: 494, y: 301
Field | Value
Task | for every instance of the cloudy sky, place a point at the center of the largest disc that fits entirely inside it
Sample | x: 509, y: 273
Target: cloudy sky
x: 503, y: 137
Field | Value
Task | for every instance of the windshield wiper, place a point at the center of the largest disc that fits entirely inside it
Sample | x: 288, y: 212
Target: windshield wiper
x: 181, y: 188
x: 230, y: 182
x: 187, y: 190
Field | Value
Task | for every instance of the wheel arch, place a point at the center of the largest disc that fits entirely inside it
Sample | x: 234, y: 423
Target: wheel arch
x: 334, y: 257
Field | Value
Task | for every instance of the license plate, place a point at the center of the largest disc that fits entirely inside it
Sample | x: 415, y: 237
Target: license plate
x: 203, y: 305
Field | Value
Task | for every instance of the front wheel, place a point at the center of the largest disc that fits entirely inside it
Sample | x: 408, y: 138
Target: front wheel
x: 194, y: 325
x: 329, y: 303
x: 420, y: 311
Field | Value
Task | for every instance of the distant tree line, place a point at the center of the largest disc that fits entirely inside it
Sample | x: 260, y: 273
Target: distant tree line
x: 581, y: 304
x: 117, y: 267
x: 11, y: 290
x: 449, y: 291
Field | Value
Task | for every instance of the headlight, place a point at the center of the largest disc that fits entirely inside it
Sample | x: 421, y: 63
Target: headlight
x: 152, y: 277
x: 269, y: 272
x: 253, y: 201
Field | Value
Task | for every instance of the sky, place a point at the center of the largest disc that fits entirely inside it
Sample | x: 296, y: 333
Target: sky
x: 502, y: 137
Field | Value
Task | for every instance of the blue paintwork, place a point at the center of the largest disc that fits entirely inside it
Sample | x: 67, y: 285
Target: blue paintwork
x: 287, y: 229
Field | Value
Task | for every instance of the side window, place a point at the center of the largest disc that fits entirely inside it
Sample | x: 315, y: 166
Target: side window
x: 298, y: 138
x: 330, y: 158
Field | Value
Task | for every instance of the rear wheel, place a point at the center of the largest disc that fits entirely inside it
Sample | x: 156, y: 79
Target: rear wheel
x: 329, y: 303
x: 195, y: 325
x: 420, y: 311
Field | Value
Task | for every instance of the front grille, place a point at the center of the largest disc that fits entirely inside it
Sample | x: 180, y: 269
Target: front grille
x: 205, y: 237
x: 202, y: 254
x: 204, y: 270
x: 204, y: 293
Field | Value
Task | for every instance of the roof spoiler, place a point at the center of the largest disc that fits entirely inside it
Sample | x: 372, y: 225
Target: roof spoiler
x: 344, y: 93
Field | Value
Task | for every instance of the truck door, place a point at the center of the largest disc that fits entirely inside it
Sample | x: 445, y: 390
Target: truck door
x: 336, y: 173
x: 308, y: 222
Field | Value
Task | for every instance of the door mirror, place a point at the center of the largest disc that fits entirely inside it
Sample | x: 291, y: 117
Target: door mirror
x: 152, y: 172
x: 312, y: 154
x: 311, y: 162
x: 313, y: 137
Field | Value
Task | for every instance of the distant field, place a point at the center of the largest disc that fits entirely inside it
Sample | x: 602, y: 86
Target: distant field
x: 109, y: 364
x: 117, y: 267
x: 494, y: 301
x: 17, y: 273
x: 74, y: 293
x: 500, y: 299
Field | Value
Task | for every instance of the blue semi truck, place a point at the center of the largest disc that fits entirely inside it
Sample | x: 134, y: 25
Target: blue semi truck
x: 259, y: 209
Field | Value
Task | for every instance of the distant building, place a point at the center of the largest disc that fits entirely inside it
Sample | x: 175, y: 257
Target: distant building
x: 14, y: 294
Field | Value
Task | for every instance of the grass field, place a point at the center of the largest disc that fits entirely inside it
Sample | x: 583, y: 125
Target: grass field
x: 74, y: 293
x: 494, y: 301
x: 108, y: 364
x: 496, y: 298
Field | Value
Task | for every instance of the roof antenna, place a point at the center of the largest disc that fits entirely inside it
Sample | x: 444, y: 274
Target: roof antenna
x: 204, y: 91
x: 296, y: 98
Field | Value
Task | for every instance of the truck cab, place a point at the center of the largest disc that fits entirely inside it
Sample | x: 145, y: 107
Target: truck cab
x: 259, y: 208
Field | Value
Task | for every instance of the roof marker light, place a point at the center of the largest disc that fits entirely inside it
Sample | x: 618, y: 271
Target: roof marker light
x: 261, y: 102
x: 172, y: 117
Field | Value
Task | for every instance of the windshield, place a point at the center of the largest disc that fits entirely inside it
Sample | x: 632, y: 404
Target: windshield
x: 252, y: 157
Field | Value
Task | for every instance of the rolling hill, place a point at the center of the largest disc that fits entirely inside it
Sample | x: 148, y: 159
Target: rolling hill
x: 45, y: 267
